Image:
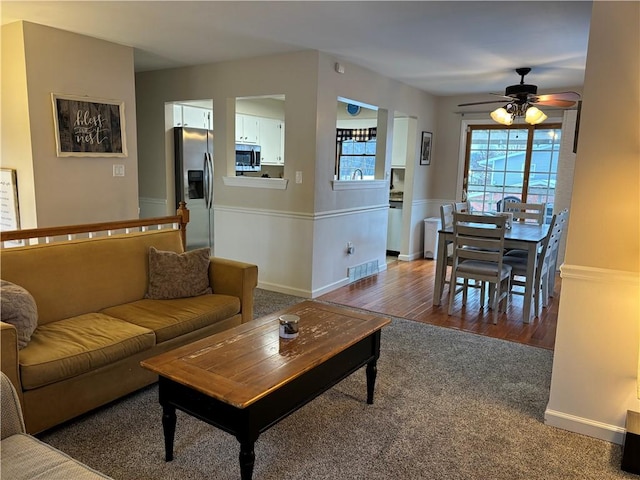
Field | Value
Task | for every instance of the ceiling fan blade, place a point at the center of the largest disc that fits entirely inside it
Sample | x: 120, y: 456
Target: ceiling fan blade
x: 482, y: 103
x: 560, y: 99
x: 569, y: 96
x: 553, y: 102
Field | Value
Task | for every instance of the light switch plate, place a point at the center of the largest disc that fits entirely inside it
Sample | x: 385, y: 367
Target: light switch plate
x: 118, y: 170
x: 298, y: 177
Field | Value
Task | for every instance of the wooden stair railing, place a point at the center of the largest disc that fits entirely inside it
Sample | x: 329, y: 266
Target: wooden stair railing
x: 33, y: 235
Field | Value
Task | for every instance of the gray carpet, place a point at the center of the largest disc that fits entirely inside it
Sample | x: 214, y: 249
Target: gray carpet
x: 448, y: 405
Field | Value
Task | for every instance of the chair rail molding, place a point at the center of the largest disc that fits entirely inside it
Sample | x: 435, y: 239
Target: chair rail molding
x: 596, y: 274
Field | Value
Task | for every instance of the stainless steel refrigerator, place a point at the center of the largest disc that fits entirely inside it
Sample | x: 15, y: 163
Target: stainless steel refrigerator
x: 194, y: 182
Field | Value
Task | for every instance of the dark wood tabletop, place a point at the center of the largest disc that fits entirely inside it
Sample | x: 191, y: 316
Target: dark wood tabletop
x: 519, y: 232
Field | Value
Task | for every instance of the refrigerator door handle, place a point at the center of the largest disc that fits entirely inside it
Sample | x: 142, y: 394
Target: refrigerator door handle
x: 208, y: 179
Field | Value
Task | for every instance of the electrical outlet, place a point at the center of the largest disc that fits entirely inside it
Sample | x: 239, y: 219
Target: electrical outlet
x: 350, y: 248
x: 298, y: 177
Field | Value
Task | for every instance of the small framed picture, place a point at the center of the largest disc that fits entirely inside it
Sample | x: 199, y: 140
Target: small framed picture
x: 425, y: 150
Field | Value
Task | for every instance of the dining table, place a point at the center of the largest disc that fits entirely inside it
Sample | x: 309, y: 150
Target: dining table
x: 522, y: 236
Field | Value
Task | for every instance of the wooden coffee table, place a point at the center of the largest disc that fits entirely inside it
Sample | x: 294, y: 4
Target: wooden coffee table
x: 246, y: 379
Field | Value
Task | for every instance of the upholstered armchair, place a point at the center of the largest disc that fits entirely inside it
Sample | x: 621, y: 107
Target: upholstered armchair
x: 24, y: 456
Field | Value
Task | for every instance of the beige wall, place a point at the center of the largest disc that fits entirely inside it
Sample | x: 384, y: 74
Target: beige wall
x: 607, y: 160
x: 16, y: 132
x: 66, y: 190
x: 595, y: 368
x: 296, y: 235
x: 292, y: 75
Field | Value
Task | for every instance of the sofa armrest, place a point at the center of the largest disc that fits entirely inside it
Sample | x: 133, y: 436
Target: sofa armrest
x: 230, y: 277
x: 9, y: 355
x: 12, y: 421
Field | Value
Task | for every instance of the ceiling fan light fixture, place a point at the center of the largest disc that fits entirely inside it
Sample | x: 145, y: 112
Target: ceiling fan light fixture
x: 522, y: 98
x: 534, y: 116
x: 502, y: 116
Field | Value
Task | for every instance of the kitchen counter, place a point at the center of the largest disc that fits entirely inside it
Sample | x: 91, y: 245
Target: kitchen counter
x: 396, y: 197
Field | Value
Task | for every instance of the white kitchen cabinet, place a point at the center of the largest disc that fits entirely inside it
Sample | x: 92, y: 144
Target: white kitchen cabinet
x: 196, y: 117
x: 177, y: 115
x: 247, y: 129
x: 399, y: 146
x: 189, y: 116
x: 272, y: 141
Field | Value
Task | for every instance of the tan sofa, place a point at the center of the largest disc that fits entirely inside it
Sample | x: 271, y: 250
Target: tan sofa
x: 95, y: 326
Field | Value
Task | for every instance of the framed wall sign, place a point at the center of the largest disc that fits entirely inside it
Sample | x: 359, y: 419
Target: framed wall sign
x: 88, y: 127
x: 9, y: 210
x: 425, y: 150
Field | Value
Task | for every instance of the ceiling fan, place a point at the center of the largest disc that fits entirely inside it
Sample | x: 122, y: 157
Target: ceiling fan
x: 522, y: 100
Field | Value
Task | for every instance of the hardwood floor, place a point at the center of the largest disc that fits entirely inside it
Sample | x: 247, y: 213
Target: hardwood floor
x: 405, y: 290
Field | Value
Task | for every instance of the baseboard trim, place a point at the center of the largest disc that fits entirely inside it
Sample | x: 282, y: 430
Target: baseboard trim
x: 298, y: 292
x: 274, y: 287
x: 584, y: 426
x: 411, y: 257
x: 382, y: 266
x: 329, y: 288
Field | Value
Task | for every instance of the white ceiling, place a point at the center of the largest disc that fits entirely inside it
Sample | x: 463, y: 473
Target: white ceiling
x: 445, y: 48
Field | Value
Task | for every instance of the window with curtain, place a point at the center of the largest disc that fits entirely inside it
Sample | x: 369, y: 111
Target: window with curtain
x: 517, y: 162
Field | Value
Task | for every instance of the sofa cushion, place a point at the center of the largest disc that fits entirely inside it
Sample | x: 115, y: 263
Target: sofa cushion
x: 71, y: 347
x: 18, y: 308
x: 178, y: 275
x: 26, y: 457
x: 172, y: 318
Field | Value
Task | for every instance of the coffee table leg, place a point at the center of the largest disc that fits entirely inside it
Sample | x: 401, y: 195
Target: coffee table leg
x: 169, y: 428
x: 372, y: 371
x: 247, y: 459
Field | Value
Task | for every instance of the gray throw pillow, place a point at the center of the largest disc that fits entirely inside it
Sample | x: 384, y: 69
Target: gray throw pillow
x: 178, y: 275
x: 18, y: 307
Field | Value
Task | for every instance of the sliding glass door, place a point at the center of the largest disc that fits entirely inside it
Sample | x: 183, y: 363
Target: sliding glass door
x: 516, y: 163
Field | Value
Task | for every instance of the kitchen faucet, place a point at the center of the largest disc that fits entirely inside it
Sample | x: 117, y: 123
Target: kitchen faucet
x: 353, y: 175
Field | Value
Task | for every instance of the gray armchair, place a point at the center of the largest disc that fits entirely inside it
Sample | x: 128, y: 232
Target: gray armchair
x: 11, y: 421
x: 24, y: 456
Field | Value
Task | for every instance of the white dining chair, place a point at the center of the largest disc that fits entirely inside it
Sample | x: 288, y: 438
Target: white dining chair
x: 446, y: 218
x: 462, y: 207
x: 446, y: 214
x: 544, y: 267
x: 446, y: 221
x: 563, y: 217
x: 501, y: 204
x: 527, y: 212
x: 478, y: 245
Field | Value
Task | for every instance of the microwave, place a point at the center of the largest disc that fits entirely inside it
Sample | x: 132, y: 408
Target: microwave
x: 247, y: 157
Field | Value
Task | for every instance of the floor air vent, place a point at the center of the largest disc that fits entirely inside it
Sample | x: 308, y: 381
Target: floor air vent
x: 362, y: 271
